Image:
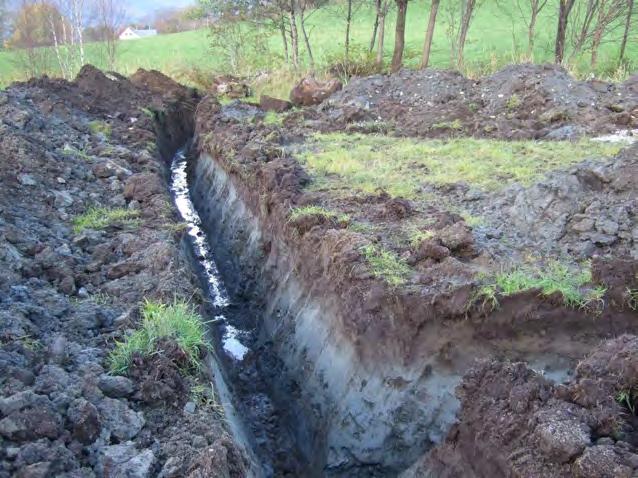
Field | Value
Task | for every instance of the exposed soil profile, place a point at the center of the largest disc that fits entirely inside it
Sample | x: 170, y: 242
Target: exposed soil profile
x: 396, y: 282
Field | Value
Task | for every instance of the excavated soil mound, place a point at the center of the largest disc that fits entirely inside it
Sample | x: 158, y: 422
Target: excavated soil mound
x: 68, y: 291
x: 514, y: 422
x: 518, y: 102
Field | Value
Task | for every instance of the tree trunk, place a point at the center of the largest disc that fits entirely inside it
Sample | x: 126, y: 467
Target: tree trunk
x: 373, y: 39
x: 530, y: 32
x: 564, y: 9
x: 294, y: 35
x: 380, y: 41
x: 399, y: 35
x: 348, y: 22
x: 306, y: 40
x: 623, y: 44
x: 465, y: 26
x: 434, y: 8
x: 284, y: 38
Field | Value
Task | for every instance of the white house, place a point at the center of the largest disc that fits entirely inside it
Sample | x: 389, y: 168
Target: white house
x: 130, y: 34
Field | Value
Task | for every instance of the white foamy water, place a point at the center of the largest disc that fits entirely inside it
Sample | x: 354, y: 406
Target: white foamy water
x: 624, y: 136
x: 203, y: 253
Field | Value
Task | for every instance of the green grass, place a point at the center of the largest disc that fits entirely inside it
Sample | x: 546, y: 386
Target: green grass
x: 299, y: 212
x: 273, y: 119
x: 493, y: 41
x: 100, y: 127
x: 176, y: 321
x: 400, y: 166
x: 386, y: 265
x: 101, y: 217
x: 574, y: 284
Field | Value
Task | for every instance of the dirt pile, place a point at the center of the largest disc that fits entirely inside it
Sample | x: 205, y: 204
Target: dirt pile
x: 584, y: 428
x: 518, y: 102
x: 71, y: 284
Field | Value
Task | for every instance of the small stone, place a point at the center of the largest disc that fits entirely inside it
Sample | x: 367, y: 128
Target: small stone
x: 125, y: 460
x: 83, y: 293
x: 115, y: 386
x: 26, y: 180
x: 62, y: 199
x: 190, y: 408
x: 84, y: 420
x: 584, y: 225
x: 563, y: 439
x: 607, y: 226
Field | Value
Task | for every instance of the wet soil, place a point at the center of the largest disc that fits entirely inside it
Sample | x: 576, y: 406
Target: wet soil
x: 67, y: 294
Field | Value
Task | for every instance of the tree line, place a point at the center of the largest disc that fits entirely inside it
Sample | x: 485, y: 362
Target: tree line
x: 580, y: 24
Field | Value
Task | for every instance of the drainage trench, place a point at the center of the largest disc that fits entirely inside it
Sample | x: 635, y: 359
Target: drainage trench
x: 239, y: 354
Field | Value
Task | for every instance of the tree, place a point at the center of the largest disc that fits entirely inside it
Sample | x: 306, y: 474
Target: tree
x: 383, y: 6
x: 4, y: 22
x: 110, y: 17
x: 30, y: 34
x: 469, y: 8
x: 399, y: 35
x: 623, y: 43
x: 434, y: 8
x: 536, y: 6
x: 564, y: 9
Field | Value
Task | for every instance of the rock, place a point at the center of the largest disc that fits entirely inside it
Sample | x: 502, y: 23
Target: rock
x: 607, y: 226
x: 31, y: 424
x: 62, y: 199
x: 123, y: 268
x: 116, y: 386
x: 268, y: 103
x: 125, y: 461
x: 456, y: 236
x: 104, y: 170
x: 600, y: 461
x: 119, y: 419
x: 84, y: 421
x: 563, y: 439
x: 582, y: 224
x: 230, y: 87
x: 20, y: 401
x: 189, y: 407
x: 431, y: 249
x: 565, y: 133
x: 26, y: 180
x: 310, y: 92
x: 143, y: 186
x: 36, y: 470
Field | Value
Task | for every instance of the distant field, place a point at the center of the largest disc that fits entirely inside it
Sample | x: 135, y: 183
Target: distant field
x: 493, y: 42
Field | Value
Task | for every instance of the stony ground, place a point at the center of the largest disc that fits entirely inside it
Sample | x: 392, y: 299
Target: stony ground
x: 67, y: 293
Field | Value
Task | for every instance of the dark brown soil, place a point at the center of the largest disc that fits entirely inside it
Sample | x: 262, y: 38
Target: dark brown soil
x: 68, y: 295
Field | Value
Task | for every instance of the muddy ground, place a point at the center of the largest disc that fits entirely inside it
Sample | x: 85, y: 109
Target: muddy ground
x: 66, y: 295
x: 586, y: 211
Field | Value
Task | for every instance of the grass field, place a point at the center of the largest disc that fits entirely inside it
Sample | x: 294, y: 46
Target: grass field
x: 494, y: 40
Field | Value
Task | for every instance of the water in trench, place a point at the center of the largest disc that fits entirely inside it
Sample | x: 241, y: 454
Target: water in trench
x: 237, y: 346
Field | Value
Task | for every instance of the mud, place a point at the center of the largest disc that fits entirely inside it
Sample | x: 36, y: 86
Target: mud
x: 323, y: 368
x: 68, y: 295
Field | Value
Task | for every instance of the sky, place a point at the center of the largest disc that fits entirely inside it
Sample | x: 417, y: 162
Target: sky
x: 142, y: 8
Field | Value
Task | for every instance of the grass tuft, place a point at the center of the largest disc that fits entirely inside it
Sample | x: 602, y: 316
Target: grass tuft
x: 175, y: 321
x: 555, y: 277
x: 100, y: 127
x: 386, y: 265
x: 273, y: 119
x: 299, y: 212
x: 101, y: 217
